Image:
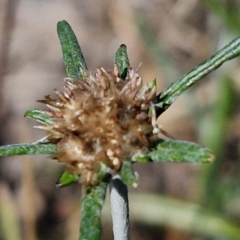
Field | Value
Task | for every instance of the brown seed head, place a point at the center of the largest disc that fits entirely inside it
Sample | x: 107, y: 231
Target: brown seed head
x: 101, y: 119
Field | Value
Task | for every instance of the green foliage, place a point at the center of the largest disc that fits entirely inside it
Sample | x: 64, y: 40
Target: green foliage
x: 39, y: 115
x: 121, y: 59
x: 92, y: 203
x: 176, y: 151
x: 161, y: 151
x: 28, y: 149
x: 72, y: 55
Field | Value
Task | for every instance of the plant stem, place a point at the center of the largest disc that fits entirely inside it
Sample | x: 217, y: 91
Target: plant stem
x: 119, y: 209
x: 92, y: 202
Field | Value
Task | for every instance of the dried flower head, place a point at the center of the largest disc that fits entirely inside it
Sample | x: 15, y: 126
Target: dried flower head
x: 100, y: 119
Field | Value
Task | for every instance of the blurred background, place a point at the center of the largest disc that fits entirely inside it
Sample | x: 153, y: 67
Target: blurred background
x: 168, y: 37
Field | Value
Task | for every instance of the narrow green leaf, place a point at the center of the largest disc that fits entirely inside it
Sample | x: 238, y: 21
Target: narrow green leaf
x: 92, y: 203
x: 180, y: 151
x: 66, y: 179
x: 122, y: 61
x: 72, y: 54
x: 165, y: 99
x: 177, y: 151
x: 127, y: 174
x: 28, y: 149
x: 39, y: 115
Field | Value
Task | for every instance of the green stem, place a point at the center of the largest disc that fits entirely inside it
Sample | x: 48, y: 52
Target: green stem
x: 92, y: 203
x: 168, y: 150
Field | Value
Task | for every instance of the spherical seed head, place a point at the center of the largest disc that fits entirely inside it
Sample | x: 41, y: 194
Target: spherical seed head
x: 100, y: 119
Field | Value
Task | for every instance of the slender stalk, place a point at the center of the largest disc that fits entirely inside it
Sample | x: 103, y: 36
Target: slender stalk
x: 39, y: 116
x: 92, y: 203
x: 119, y: 209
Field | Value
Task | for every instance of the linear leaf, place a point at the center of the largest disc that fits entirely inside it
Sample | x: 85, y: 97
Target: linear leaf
x: 177, y: 151
x: 72, y: 55
x: 39, y: 115
x: 122, y: 61
x: 165, y: 99
x: 28, y: 149
x: 92, y: 203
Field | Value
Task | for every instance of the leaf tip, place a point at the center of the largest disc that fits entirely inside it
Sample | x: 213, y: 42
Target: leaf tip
x: 62, y: 22
x: 123, y: 46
